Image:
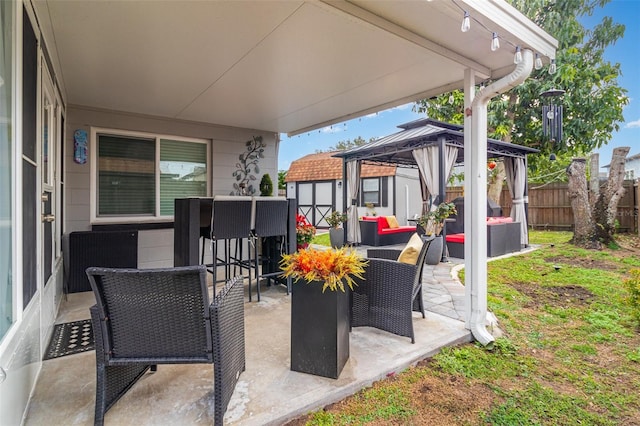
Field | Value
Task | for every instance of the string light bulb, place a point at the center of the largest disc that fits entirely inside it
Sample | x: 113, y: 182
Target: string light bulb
x: 451, y: 99
x: 552, y: 67
x: 517, y: 58
x: 495, y: 42
x: 466, y: 22
x: 538, y: 62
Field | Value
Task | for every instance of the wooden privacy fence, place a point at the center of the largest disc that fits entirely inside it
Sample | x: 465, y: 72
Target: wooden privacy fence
x: 550, y: 207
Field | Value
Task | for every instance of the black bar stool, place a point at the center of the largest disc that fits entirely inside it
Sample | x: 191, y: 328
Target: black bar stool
x: 231, y: 222
x: 270, y: 224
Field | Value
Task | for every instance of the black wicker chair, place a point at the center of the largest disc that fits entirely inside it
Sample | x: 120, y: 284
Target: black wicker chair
x: 389, y: 293
x: 162, y: 316
x: 270, y: 224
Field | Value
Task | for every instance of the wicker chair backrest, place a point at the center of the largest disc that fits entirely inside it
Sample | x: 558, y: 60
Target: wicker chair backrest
x: 231, y: 218
x: 420, y: 263
x: 271, y: 217
x: 154, y: 314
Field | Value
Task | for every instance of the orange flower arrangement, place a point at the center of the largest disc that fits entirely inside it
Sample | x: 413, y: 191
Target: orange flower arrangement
x: 334, y: 267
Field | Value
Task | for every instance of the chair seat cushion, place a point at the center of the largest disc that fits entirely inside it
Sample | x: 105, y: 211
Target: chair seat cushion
x: 455, y: 238
x: 411, y: 251
x: 397, y: 230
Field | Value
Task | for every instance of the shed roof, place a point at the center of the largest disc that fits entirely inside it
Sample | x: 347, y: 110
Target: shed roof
x: 324, y: 166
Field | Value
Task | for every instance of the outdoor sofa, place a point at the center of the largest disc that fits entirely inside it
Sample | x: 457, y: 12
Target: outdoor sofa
x: 377, y: 231
x: 503, y: 236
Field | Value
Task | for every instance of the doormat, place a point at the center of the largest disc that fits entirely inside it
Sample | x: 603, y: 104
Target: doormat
x: 70, y: 338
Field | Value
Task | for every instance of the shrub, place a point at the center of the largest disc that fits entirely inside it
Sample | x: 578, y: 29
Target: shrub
x: 266, y: 186
x: 632, y: 285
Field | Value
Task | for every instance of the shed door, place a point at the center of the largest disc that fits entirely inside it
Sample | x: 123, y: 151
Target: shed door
x: 316, y: 200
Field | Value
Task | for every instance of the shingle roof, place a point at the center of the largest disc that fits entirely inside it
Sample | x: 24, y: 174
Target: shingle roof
x: 322, y: 166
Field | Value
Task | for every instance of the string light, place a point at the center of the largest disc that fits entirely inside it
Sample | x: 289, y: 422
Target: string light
x: 517, y: 58
x: 538, y: 62
x: 466, y: 22
x: 495, y: 42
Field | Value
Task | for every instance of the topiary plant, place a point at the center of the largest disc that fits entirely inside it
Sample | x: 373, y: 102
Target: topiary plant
x: 266, y: 186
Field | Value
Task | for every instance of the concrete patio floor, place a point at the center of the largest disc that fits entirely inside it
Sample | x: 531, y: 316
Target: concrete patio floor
x: 267, y: 392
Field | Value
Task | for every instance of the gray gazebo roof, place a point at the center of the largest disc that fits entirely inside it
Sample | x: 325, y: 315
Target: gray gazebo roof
x: 397, y: 148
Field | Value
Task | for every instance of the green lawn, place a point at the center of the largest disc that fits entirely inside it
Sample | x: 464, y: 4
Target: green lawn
x: 570, y: 354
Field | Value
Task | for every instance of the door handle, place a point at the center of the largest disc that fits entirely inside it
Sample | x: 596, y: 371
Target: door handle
x: 48, y: 218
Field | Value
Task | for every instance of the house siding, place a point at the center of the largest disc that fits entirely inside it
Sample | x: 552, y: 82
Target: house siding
x: 155, y: 248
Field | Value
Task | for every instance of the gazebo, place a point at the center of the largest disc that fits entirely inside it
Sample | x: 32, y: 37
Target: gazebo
x: 434, y: 148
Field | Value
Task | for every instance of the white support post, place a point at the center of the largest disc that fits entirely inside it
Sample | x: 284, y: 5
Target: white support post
x: 469, y: 94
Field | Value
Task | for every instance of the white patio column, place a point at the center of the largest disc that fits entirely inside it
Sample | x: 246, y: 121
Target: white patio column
x: 469, y: 256
x: 476, y: 194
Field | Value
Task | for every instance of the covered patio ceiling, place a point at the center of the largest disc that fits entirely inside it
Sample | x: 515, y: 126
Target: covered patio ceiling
x: 282, y: 66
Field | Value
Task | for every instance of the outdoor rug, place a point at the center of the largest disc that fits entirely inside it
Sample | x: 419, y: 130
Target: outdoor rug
x: 70, y: 338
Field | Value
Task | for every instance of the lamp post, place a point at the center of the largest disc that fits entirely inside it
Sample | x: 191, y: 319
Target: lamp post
x: 552, y: 119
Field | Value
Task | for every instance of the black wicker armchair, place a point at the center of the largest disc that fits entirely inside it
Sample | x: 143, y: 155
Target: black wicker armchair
x: 389, y: 293
x: 162, y: 316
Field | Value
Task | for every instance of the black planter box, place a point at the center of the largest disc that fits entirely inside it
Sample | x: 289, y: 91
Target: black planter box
x: 319, y: 329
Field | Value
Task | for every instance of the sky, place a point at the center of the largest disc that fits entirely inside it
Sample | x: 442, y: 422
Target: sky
x: 626, y: 52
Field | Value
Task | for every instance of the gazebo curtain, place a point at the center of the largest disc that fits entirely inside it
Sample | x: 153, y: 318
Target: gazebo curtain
x: 353, y: 185
x: 427, y: 161
x: 516, y: 172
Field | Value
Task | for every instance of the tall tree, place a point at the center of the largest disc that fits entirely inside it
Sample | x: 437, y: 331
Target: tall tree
x: 593, y: 101
x: 347, y: 144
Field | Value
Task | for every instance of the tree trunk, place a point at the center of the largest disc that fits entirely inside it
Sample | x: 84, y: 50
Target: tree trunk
x: 583, y: 232
x: 594, y: 175
x: 496, y: 182
x: 606, y: 208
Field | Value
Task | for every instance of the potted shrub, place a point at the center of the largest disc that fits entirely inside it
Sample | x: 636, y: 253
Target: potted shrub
x: 304, y: 231
x: 320, y: 307
x: 336, y: 233
x: 371, y: 211
x: 266, y: 186
x: 432, y: 223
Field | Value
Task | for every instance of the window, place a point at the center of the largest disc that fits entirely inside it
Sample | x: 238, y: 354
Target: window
x: 371, y: 191
x: 139, y: 176
x: 6, y: 168
x: 374, y: 190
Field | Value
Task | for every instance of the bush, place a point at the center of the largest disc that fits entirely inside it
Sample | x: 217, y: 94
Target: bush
x: 266, y: 186
x: 633, y: 299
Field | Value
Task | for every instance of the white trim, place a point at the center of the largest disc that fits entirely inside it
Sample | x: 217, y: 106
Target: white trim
x: 93, y: 185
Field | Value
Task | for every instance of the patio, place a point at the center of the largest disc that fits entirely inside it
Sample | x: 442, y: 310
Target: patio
x: 267, y: 392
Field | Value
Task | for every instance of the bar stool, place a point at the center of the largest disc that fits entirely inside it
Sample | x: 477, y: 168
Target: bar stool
x: 231, y: 222
x: 270, y: 222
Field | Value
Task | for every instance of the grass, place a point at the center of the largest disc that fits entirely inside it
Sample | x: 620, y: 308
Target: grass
x: 570, y: 354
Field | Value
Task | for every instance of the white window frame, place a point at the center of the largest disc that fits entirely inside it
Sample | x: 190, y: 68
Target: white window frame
x: 93, y: 155
x: 378, y: 203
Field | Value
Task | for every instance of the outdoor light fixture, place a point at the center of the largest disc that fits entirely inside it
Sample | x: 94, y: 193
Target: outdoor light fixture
x: 466, y: 22
x: 518, y: 56
x: 538, y: 63
x: 495, y: 42
x: 552, y: 67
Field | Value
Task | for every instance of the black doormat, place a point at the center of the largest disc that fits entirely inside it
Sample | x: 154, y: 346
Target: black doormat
x: 70, y: 338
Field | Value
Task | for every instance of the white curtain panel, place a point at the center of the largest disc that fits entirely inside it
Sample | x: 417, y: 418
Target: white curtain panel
x: 353, y: 184
x: 451, y: 153
x: 427, y: 161
x: 516, y: 172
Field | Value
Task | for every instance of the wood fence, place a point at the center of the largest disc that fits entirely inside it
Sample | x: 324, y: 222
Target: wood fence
x: 550, y: 207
